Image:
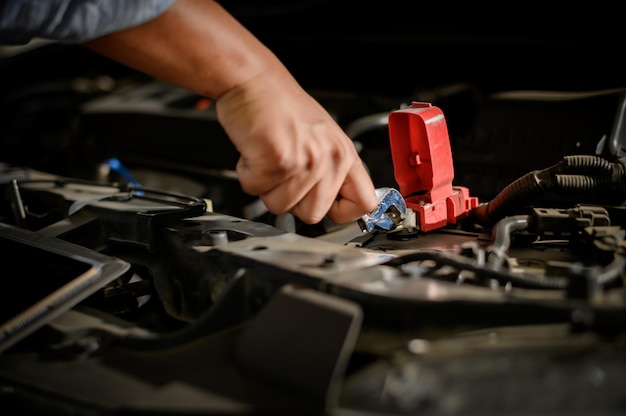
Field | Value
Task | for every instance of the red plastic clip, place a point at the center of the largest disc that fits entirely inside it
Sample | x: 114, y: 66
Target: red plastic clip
x: 423, y: 168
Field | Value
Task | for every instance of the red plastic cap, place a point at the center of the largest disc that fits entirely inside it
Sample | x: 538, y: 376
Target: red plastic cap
x: 423, y: 168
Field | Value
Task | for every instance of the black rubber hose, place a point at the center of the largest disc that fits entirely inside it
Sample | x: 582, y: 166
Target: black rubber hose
x: 502, y: 238
x: 580, y: 183
x: 578, y: 173
x: 586, y: 164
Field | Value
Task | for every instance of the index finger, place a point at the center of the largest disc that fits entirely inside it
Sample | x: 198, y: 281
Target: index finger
x: 357, y: 196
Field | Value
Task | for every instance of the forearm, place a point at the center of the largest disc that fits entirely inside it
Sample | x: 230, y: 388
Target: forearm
x: 195, y: 44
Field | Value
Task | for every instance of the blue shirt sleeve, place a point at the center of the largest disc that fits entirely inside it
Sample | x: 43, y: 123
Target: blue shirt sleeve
x: 72, y: 21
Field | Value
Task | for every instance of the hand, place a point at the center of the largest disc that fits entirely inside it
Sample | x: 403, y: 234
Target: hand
x: 294, y: 155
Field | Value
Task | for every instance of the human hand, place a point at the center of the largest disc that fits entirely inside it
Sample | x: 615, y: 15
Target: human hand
x: 293, y: 154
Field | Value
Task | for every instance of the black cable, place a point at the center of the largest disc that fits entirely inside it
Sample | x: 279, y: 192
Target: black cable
x: 463, y: 263
x: 578, y: 173
x: 225, y: 312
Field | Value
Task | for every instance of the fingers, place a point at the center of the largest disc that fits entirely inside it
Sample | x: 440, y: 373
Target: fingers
x: 341, y: 197
x: 358, y: 196
x: 351, y: 200
x: 283, y: 189
x: 307, y: 193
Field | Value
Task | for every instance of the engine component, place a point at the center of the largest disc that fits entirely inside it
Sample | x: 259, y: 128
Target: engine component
x: 423, y: 167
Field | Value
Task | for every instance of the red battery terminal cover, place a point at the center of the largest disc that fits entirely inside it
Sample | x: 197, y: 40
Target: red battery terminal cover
x: 423, y: 168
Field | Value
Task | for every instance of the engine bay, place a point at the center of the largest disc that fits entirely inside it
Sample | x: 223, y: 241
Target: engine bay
x: 141, y: 279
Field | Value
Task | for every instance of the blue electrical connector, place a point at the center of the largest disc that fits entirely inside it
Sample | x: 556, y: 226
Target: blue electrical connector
x: 116, y: 166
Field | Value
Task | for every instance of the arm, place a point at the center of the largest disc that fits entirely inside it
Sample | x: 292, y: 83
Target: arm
x: 293, y: 154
